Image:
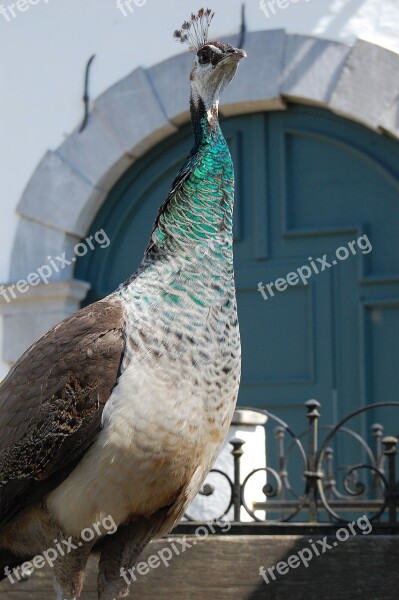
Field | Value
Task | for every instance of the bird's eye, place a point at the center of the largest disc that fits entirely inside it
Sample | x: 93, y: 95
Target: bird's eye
x: 204, y: 56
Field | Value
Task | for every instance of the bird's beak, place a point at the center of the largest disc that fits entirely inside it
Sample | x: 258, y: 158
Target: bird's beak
x: 240, y: 53
x: 235, y: 56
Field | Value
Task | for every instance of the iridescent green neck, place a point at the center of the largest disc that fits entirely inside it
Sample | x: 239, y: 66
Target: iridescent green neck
x: 201, y: 207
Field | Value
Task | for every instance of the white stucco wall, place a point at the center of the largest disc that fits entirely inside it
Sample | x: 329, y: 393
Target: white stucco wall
x: 45, y: 45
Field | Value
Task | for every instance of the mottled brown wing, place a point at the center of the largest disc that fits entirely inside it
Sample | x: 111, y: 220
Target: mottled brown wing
x: 52, y: 400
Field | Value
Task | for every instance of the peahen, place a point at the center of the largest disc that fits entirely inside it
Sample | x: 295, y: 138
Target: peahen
x: 119, y: 411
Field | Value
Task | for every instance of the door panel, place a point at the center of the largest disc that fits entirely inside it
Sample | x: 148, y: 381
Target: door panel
x: 307, y: 183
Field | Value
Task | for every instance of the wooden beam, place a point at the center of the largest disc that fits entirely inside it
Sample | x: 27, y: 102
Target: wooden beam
x: 227, y: 568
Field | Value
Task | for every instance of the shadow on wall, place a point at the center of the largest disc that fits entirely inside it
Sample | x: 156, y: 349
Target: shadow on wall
x: 302, y: 52
x: 340, y: 13
x: 320, y: 20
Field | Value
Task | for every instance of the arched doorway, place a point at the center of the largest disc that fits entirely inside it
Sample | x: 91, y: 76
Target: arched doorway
x: 71, y: 182
x: 309, y: 184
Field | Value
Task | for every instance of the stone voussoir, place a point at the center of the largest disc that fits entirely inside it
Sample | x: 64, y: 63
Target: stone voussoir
x: 174, y: 97
x: 59, y: 196
x: 368, y: 84
x: 35, y: 244
x: 258, y: 87
x: 96, y: 153
x: 134, y: 113
x: 390, y: 120
x: 311, y: 68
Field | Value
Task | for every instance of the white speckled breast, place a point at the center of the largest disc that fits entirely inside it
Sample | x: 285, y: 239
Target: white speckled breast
x: 169, y: 414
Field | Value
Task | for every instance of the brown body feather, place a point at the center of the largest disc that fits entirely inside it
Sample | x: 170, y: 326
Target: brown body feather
x: 51, y: 404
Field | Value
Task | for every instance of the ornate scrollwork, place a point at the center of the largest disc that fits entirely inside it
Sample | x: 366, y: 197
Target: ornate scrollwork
x: 325, y: 489
x: 208, y: 490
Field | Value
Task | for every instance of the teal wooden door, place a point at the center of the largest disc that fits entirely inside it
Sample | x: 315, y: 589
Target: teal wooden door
x: 308, y: 184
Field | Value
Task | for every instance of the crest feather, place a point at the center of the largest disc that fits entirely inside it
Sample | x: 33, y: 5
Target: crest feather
x: 195, y: 32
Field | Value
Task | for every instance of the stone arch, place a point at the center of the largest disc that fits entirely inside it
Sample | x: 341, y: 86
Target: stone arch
x: 71, y: 183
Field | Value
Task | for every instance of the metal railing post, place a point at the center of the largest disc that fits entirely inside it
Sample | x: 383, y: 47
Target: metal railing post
x: 237, y: 452
x: 392, y: 492
x: 312, y: 476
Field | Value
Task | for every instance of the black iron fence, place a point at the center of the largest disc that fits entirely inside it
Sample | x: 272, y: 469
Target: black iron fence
x: 315, y: 492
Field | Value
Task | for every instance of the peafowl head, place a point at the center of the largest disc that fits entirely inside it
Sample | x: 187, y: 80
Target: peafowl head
x: 215, y: 63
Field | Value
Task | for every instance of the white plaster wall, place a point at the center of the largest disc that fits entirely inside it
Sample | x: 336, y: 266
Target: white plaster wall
x: 44, y: 49
x: 207, y: 508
